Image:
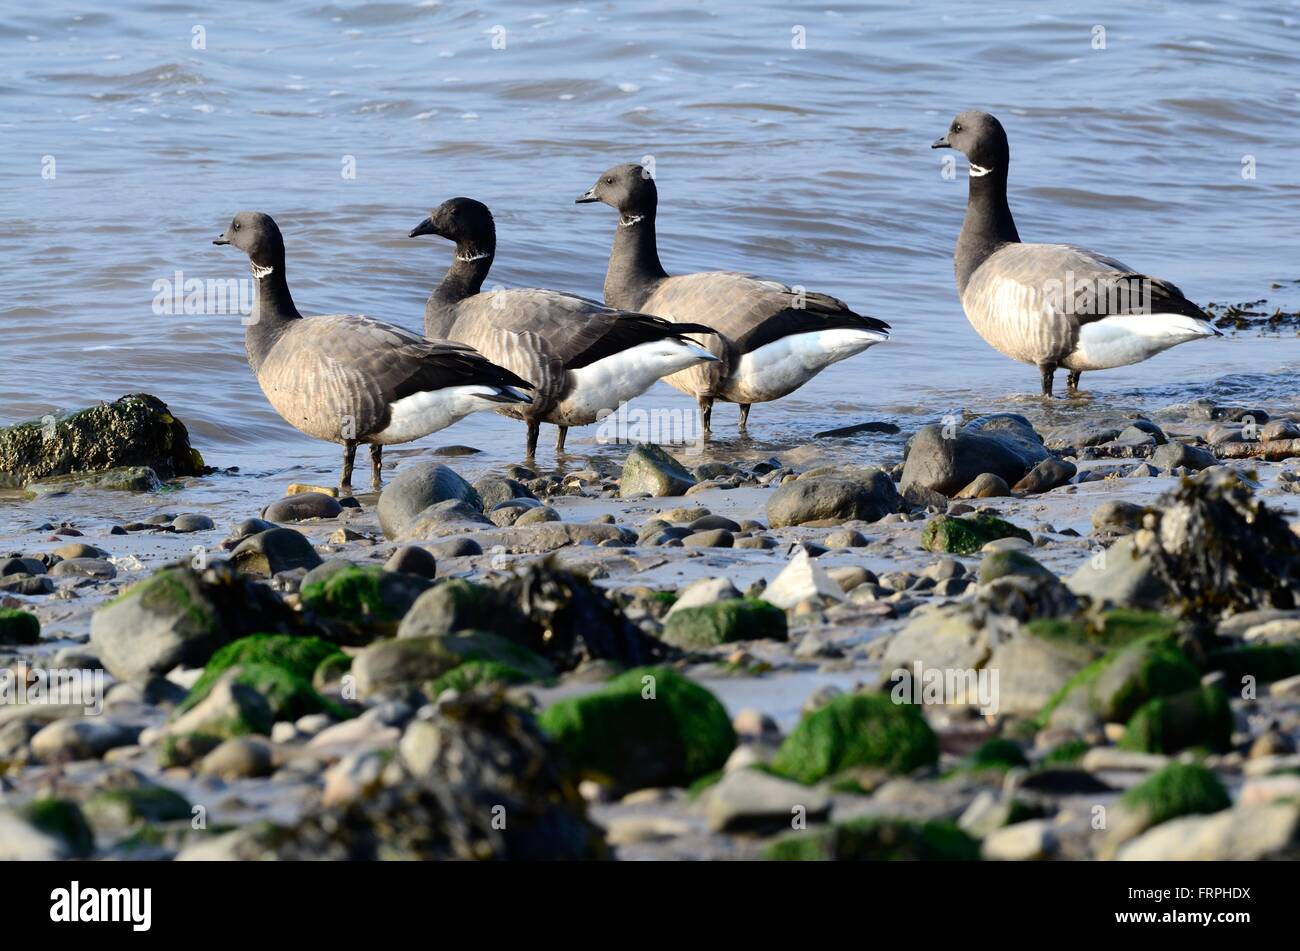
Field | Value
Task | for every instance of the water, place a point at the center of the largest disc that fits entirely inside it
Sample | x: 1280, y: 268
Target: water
x: 811, y: 166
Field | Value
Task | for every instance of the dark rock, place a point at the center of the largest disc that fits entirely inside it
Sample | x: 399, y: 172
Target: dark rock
x: 135, y: 431
x: 1047, y: 475
x: 271, y: 552
x: 96, y: 568
x: 302, y: 506
x: 456, y: 548
x: 968, y: 534
x: 192, y: 523
x: 492, y: 491
x: 651, y: 470
x: 867, y: 498
x: 1117, y: 518
x: 413, y: 560
x: 986, y: 485
x: 1005, y: 445
x: 1175, y: 454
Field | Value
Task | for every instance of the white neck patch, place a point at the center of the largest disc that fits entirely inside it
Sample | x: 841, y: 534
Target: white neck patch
x: 629, y: 220
x: 258, y: 270
x: 473, y: 257
x: 978, y: 171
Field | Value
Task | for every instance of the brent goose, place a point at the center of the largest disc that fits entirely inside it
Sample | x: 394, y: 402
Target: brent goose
x: 772, y: 339
x: 583, y: 356
x: 1053, y: 305
x: 351, y: 379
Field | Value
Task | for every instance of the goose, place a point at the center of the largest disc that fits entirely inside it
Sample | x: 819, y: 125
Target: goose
x: 772, y: 339
x: 1053, y: 305
x: 352, y: 379
x: 584, y: 357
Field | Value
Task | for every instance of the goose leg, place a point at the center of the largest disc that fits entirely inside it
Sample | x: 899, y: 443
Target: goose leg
x: 349, y: 456
x: 744, y: 416
x: 1048, y: 370
x: 1072, y: 382
x: 376, y: 466
x: 534, y: 430
x: 559, y: 439
x: 706, y: 412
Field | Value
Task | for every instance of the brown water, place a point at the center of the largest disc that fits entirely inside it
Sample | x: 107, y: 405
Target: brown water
x: 807, y: 165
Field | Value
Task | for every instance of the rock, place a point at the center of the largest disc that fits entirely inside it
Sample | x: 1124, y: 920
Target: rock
x: 27, y: 584
x: 1178, y: 789
x: 1246, y: 833
x: 133, y: 807
x: 413, y: 560
x: 1022, y: 842
x: 18, y: 627
x: 156, y: 624
x: 538, y: 515
x: 867, y: 498
x: 189, y: 523
x: 456, y: 548
x: 1112, y: 688
x: 722, y: 622
x: 716, y: 538
x: 1004, y: 445
x: 135, y: 431
x: 25, y: 837
x: 1032, y: 666
x: 986, y: 485
x: 1047, y: 475
x: 415, y: 489
x: 121, y: 479
x: 647, y: 727
x: 363, y: 595
x: 999, y: 564
x: 845, y: 538
x: 874, y: 839
x: 967, y: 534
x: 649, y: 469
x: 81, y: 738
x: 747, y: 800
x: 552, y: 535
x: 945, y: 638
x: 229, y: 708
x: 271, y: 552
x: 703, y: 592
x: 302, y: 506
x: 800, y: 580
x: 1198, y: 717
x: 492, y: 491
x: 1172, y: 455
x: 1117, y: 517
x: 1123, y: 575
x: 240, y: 757
x: 865, y: 729
x: 96, y: 568
x: 415, y: 661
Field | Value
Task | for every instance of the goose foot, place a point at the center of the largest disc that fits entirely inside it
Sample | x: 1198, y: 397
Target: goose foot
x: 744, y: 416
x: 1072, y: 382
x: 559, y: 439
x: 706, y: 413
x: 1047, y: 370
x: 376, y: 467
x: 534, y: 430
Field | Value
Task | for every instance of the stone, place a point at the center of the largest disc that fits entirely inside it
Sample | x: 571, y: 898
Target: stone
x: 986, y: 485
x: 801, y: 579
x: 493, y: 491
x: 723, y: 622
x: 1246, y: 833
x: 999, y: 564
x: 715, y: 538
x: 1047, y: 475
x: 649, y: 469
x: 302, y: 506
x: 97, y: 568
x: 1028, y: 841
x: 863, y: 729
x: 747, y: 800
x: 239, y: 757
x: 413, y: 560
x: 18, y: 627
x: 868, y: 498
x: 945, y: 459
x: 1172, y: 455
x: 703, y: 592
x: 966, y: 534
x: 188, y: 523
x: 413, y: 661
x: 271, y: 552
x: 416, y: 488
x: 135, y: 431
x: 1117, y: 517
x: 1124, y: 575
x: 81, y: 738
x: 156, y: 624
x: 229, y: 709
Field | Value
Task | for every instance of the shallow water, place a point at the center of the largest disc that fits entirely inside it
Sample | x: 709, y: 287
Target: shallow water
x: 807, y: 165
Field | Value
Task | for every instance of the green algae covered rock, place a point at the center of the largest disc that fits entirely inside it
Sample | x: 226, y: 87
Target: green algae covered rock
x: 413, y: 662
x: 136, y: 431
x: 19, y: 627
x: 1180, y: 789
x: 857, y: 730
x: 363, y: 594
x: 64, y: 821
x: 737, y: 619
x: 1114, y: 686
x: 1197, y: 718
x: 278, y: 666
x: 967, y: 534
x: 878, y: 839
x: 145, y: 804
x: 647, y: 727
x: 1264, y: 662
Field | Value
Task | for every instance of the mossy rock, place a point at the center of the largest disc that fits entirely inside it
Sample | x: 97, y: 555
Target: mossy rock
x: 135, y: 431
x: 1264, y: 662
x: 1109, y: 629
x: 64, y: 821
x: 1067, y: 753
x: 123, y: 808
x: 413, y: 662
x: 1112, y: 687
x: 1197, y: 718
x: 19, y: 627
x: 857, y: 730
x: 722, y: 622
x: 182, y: 749
x: 998, y: 753
x: 477, y: 673
x: 451, y: 604
x: 965, y: 535
x: 1179, y: 789
x: 878, y: 839
x: 279, y: 666
x: 1002, y: 564
x: 649, y: 726
x: 364, y: 594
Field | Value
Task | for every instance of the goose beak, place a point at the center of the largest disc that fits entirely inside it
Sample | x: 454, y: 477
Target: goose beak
x: 424, y: 227
x: 222, y: 240
x: 941, y: 143
x: 587, y: 197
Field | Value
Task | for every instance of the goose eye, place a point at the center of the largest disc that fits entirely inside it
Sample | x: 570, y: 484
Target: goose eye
x: 956, y: 128
x: 609, y: 181
x: 236, y: 225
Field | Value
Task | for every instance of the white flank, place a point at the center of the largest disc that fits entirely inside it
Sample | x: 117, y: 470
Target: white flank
x: 784, y: 365
x: 1131, y: 338
x: 431, y: 410
x: 605, y: 384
